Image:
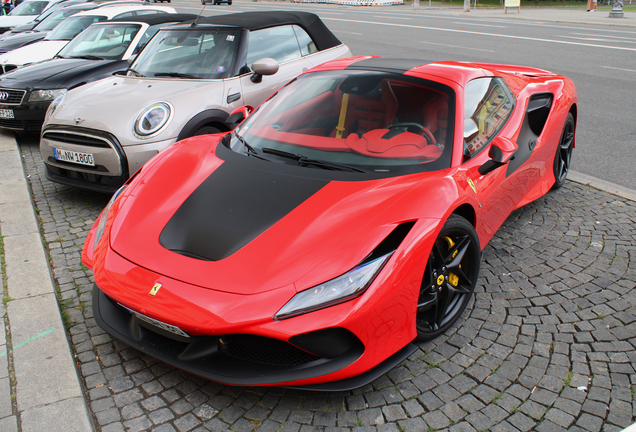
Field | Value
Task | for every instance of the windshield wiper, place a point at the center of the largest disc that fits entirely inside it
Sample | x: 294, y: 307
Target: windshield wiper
x: 249, y: 150
x: 305, y: 161
x: 175, y: 75
x: 88, y: 57
x: 135, y: 72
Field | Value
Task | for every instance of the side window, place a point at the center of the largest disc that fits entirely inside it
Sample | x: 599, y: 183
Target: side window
x: 126, y: 15
x: 278, y: 43
x: 307, y: 46
x: 487, y: 106
x: 147, y: 12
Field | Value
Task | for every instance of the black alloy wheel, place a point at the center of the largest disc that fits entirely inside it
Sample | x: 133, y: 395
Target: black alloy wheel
x: 563, y: 156
x: 449, y: 279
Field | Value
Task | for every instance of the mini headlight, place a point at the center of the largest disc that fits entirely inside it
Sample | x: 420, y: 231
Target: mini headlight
x: 343, y: 288
x: 101, y: 224
x: 45, y: 95
x: 56, y: 103
x: 152, y: 119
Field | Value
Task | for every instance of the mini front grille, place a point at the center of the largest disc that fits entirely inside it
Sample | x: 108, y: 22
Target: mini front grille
x: 264, y: 350
x: 72, y: 138
x: 11, y: 97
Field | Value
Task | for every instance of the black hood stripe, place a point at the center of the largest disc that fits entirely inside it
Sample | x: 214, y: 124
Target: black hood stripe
x: 232, y: 207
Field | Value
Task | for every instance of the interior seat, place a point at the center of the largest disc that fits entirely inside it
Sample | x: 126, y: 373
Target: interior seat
x: 436, y: 117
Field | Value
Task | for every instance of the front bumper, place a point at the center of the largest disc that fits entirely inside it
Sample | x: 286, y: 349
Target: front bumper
x: 114, y: 163
x: 243, y: 359
x: 27, y: 116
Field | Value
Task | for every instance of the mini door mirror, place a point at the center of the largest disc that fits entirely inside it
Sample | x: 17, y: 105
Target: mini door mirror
x: 264, y: 66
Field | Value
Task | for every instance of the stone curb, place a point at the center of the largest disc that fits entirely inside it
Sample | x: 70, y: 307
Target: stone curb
x: 48, y: 394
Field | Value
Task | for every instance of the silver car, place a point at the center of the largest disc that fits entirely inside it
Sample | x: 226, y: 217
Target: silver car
x: 185, y: 82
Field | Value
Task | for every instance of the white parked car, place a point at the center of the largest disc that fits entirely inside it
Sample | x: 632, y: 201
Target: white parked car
x: 185, y: 82
x: 25, y: 12
x: 67, y: 30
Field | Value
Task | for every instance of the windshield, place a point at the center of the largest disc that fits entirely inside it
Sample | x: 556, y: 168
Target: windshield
x: 373, y: 121
x: 71, y: 27
x: 108, y: 41
x: 29, y: 8
x: 198, y: 53
x: 53, y: 19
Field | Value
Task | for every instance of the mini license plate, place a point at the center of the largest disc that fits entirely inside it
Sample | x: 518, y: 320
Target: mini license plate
x: 73, y: 157
x: 6, y: 114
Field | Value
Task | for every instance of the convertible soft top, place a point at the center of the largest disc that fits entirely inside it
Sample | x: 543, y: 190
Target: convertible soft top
x: 154, y: 19
x: 322, y: 36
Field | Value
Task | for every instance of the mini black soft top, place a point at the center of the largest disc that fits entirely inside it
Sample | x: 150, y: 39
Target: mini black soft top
x: 154, y: 19
x: 311, y: 23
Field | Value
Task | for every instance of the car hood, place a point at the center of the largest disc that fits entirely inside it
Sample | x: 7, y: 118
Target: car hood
x: 36, y: 52
x: 113, y: 104
x: 58, y: 73
x: 13, y: 21
x: 20, y: 39
x: 262, y: 225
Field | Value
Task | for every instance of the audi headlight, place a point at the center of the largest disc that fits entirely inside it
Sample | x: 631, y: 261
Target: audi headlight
x: 45, y: 95
x: 341, y: 289
x: 152, y: 119
x: 56, y: 103
x: 101, y: 224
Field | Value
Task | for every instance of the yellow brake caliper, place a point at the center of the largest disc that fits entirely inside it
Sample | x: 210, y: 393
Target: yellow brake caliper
x: 453, y: 279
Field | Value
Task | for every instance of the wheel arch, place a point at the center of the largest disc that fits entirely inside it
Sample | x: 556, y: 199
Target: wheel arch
x: 212, y: 117
x: 467, y: 212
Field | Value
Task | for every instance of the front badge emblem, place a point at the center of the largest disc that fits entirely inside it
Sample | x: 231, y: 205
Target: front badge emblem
x: 155, y: 289
x: 472, y: 185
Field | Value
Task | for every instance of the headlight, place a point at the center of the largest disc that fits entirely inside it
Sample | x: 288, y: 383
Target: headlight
x: 152, y: 119
x: 346, y: 287
x: 45, y: 95
x: 101, y: 224
x: 56, y: 103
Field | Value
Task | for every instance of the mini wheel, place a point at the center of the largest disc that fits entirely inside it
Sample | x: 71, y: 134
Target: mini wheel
x: 449, y: 279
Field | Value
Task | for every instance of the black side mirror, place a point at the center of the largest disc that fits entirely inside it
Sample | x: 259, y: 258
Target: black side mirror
x: 235, y: 119
x: 496, y: 160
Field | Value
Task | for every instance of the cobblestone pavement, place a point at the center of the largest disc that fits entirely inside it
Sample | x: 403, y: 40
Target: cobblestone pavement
x: 547, y: 344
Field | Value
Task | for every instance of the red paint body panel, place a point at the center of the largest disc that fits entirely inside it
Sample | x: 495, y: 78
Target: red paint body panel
x: 326, y: 235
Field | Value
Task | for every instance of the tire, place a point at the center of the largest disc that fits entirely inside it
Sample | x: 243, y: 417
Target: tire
x: 449, y: 278
x: 563, y: 156
x: 229, y: 3
x: 206, y: 130
x: 202, y: 2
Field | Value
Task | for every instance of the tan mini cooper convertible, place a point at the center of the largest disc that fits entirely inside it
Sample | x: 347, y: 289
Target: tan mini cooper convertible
x: 185, y: 82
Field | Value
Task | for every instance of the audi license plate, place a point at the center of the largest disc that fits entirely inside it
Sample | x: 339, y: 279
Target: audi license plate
x: 73, y: 157
x: 6, y: 114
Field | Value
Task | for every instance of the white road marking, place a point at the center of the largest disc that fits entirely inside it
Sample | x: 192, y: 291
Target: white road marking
x: 392, y: 17
x: 353, y: 33
x: 456, y: 46
x: 620, y: 69
x: 587, y: 45
x: 480, y: 25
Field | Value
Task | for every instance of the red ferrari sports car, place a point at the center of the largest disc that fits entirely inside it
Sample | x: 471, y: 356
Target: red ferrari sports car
x: 338, y: 223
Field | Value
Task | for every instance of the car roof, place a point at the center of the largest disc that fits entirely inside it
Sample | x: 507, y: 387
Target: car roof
x: 154, y: 19
x: 111, y: 11
x: 311, y: 23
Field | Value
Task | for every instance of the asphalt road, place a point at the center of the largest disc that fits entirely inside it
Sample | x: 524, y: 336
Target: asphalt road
x: 600, y: 60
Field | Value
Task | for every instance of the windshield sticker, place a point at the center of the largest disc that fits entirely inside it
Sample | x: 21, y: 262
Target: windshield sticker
x: 220, y: 68
x: 230, y: 38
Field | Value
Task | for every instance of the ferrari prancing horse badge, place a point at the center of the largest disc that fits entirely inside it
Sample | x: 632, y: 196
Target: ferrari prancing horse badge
x: 155, y: 289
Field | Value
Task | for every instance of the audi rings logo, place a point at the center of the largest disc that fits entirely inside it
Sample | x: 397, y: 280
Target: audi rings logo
x: 4, y: 95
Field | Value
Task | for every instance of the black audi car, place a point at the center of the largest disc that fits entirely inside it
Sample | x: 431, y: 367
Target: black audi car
x: 100, y: 51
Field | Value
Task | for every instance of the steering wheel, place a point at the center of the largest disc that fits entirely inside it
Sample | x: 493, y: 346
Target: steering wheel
x: 415, y: 128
